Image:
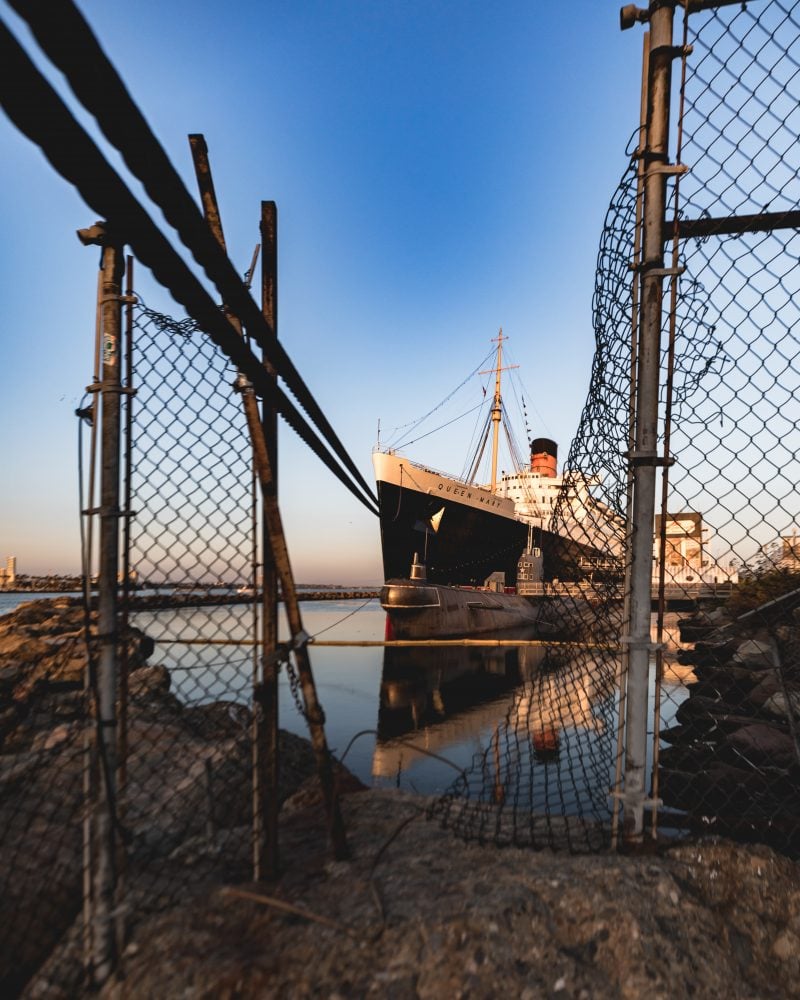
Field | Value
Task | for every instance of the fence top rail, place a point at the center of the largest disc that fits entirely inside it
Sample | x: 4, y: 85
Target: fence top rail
x: 390, y: 643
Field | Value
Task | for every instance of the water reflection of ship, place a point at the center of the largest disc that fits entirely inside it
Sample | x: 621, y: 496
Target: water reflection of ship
x: 432, y: 700
x: 556, y: 699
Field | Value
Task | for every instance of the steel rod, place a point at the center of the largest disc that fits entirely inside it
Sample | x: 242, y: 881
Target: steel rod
x: 732, y: 225
x: 646, y: 423
x: 391, y: 643
x: 126, y: 520
x: 124, y: 663
x: 622, y: 676
x: 104, y: 876
x: 88, y: 775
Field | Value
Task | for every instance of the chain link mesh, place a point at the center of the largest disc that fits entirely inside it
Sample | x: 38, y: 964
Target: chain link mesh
x: 724, y: 750
x: 45, y: 709
x: 192, y: 545
x: 731, y: 761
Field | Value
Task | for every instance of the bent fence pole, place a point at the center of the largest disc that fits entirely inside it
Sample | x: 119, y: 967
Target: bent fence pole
x: 315, y: 716
x: 265, y: 738
x: 313, y: 710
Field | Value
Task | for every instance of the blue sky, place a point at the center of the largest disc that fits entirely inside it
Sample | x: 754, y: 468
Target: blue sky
x: 441, y: 170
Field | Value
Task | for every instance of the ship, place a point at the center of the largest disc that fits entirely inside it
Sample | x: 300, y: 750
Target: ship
x: 513, y: 533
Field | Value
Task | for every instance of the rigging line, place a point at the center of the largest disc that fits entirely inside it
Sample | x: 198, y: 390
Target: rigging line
x: 66, y: 38
x: 472, y: 447
x: 520, y: 405
x: 38, y: 112
x: 504, y: 423
x: 479, y: 454
x: 415, y: 423
x: 512, y: 447
x: 399, y: 495
x: 339, y: 621
x: 516, y: 379
x: 513, y: 444
x: 420, y: 489
x: 435, y: 430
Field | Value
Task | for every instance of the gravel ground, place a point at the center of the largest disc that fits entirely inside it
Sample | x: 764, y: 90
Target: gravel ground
x: 418, y: 913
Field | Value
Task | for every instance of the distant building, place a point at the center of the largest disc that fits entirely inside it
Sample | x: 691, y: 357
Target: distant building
x: 790, y: 552
x: 685, y: 559
x: 8, y: 575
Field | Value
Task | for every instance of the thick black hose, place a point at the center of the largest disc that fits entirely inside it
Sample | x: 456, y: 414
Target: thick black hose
x: 34, y: 107
x: 69, y: 42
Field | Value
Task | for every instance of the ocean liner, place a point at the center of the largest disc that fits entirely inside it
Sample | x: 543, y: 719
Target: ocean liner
x: 457, y: 532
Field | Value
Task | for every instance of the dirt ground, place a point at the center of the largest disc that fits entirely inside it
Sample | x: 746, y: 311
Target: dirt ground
x: 416, y: 912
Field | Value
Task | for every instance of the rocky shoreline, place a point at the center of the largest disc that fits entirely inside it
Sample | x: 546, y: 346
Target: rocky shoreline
x: 733, y: 763
x: 414, y: 912
x: 187, y: 773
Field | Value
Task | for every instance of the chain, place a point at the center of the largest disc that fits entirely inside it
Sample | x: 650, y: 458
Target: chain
x: 294, y: 687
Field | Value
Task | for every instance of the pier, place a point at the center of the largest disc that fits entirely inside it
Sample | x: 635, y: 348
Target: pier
x: 678, y: 595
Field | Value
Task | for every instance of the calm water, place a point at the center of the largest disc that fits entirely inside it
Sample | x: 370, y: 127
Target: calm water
x: 421, y: 714
x: 10, y: 601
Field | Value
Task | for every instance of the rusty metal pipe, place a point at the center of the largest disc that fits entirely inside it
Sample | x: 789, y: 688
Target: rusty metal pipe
x: 277, y: 540
x: 266, y: 720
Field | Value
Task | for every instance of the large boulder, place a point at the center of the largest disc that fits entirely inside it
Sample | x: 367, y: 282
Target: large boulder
x: 20, y: 648
x: 766, y: 687
x: 755, y: 654
x: 148, y: 682
x: 761, y: 742
x: 778, y: 705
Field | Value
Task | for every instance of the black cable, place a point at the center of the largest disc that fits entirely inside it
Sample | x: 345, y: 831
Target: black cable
x: 69, y: 42
x: 38, y: 112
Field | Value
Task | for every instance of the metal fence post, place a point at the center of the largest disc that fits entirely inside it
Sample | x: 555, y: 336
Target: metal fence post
x: 266, y: 771
x: 105, y: 685
x: 644, y: 458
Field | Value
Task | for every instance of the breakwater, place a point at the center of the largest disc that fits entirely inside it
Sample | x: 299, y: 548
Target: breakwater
x: 732, y: 763
x: 164, y: 599
x: 161, y: 602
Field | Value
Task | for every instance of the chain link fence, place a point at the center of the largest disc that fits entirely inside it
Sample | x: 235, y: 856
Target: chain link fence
x: 724, y: 679
x: 731, y: 761
x: 181, y: 804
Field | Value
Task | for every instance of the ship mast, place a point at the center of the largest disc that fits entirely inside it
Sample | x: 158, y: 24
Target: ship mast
x: 497, y: 405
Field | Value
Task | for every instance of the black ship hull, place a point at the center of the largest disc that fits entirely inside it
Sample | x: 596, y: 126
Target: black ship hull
x: 461, y: 545
x: 467, y: 546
